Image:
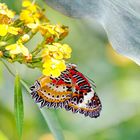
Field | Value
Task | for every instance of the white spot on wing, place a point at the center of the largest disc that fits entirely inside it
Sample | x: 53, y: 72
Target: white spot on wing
x: 86, y: 99
x: 57, y: 89
x: 60, y: 89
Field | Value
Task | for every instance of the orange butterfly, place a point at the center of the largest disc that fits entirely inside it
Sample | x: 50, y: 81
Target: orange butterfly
x: 71, y: 90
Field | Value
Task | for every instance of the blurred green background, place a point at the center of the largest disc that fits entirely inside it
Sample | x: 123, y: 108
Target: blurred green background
x: 117, y: 80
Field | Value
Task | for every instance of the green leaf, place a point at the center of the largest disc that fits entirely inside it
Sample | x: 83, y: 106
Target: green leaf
x: 123, y: 29
x: 18, y: 104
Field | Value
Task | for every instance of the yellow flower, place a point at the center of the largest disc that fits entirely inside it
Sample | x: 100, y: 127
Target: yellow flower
x: 4, y: 19
x: 53, y: 55
x: 58, y: 55
x: 4, y: 29
x: 55, y: 30
x: 59, y: 29
x: 53, y: 67
x: 31, y: 14
x: 45, y: 53
x: 65, y: 48
x: 5, y: 11
x: 52, y: 48
x: 6, y: 15
x: 28, y: 17
x: 26, y: 3
x: 52, y: 51
x: 17, y: 48
x: 57, y: 51
x: 13, y: 30
x: 46, y: 29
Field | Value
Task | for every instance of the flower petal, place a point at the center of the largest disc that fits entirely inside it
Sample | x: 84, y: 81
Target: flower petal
x: 46, y: 72
x: 55, y: 72
x: 13, y: 30
x: 3, y: 29
x: 24, y: 50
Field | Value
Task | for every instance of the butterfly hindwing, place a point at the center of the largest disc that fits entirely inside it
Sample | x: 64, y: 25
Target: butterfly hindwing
x: 51, y: 92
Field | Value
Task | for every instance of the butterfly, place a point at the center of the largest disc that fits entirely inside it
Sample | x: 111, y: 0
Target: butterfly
x: 71, y: 90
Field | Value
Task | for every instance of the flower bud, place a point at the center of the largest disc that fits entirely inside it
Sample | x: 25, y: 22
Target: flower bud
x: 3, y: 43
x: 25, y: 37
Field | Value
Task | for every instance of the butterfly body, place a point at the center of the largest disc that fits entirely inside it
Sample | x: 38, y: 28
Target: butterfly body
x: 71, y: 90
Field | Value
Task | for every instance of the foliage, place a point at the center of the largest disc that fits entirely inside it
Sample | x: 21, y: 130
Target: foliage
x: 19, y: 113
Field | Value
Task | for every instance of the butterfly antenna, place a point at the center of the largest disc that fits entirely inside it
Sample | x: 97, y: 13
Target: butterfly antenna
x: 91, y: 81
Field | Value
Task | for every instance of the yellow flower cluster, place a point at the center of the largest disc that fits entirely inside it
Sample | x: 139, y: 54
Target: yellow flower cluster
x: 4, y: 11
x: 7, y: 27
x: 32, y: 14
x: 53, y: 58
x: 49, y: 55
x: 6, y: 17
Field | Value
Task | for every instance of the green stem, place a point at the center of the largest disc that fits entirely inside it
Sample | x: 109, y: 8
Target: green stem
x: 36, y: 62
x: 39, y: 47
x: 9, y: 70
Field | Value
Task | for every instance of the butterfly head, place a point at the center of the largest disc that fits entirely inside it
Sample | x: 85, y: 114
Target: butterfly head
x: 71, y: 66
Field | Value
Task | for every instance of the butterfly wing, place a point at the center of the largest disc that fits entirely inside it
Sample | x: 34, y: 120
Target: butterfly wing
x: 84, y: 99
x: 71, y: 90
x: 52, y: 92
